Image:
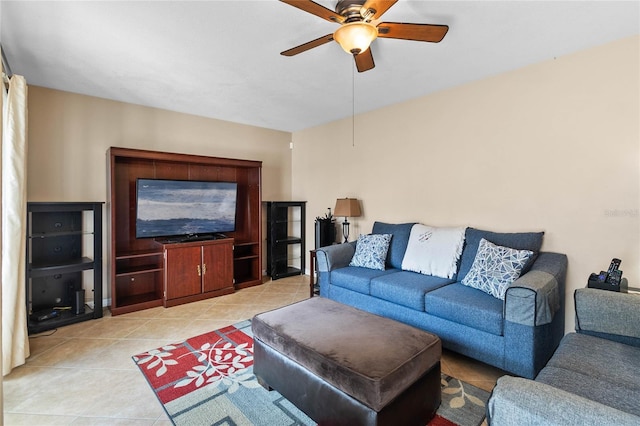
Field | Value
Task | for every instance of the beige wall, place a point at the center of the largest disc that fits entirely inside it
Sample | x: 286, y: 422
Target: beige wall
x: 69, y: 136
x: 553, y: 147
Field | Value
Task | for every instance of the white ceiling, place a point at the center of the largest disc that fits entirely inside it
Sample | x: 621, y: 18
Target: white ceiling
x: 221, y: 59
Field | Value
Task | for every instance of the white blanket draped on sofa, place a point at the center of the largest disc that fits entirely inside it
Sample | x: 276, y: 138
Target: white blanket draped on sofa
x: 15, y: 339
x: 434, y: 250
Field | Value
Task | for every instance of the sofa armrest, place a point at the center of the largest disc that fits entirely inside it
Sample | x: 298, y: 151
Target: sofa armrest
x: 335, y: 256
x: 535, y: 297
x: 518, y: 401
x: 608, y: 314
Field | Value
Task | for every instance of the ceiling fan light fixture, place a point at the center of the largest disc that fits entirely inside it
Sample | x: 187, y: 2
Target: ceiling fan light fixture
x: 355, y: 37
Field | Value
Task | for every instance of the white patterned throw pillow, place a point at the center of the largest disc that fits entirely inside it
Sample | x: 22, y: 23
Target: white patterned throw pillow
x: 495, y: 268
x: 371, y: 251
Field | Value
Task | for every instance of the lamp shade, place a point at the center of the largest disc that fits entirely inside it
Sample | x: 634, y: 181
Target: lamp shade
x: 355, y: 37
x: 347, y: 207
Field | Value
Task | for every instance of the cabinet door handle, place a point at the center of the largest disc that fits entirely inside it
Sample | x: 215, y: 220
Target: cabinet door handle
x: 198, y: 268
x: 204, y: 268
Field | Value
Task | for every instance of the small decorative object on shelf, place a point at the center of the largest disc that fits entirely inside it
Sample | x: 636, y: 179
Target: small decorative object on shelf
x: 347, y: 207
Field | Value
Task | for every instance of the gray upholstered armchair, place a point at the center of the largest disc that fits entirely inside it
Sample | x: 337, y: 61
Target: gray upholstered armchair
x: 592, y: 379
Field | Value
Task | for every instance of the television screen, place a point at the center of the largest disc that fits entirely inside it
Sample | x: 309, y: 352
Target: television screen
x: 184, y: 207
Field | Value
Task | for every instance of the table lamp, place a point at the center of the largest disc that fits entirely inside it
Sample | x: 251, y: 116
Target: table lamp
x: 347, y: 207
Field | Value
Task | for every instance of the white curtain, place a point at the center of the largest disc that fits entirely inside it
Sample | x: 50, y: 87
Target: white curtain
x: 15, y: 339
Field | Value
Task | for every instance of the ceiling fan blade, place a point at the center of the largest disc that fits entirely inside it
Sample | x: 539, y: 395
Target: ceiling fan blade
x: 364, y: 60
x: 418, y: 32
x: 315, y: 9
x: 378, y: 7
x: 308, y: 45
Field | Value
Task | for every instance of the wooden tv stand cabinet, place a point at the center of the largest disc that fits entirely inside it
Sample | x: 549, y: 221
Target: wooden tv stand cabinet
x: 197, y: 270
x: 145, y: 273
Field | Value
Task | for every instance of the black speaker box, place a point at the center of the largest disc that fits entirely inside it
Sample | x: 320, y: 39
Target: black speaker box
x: 78, y: 304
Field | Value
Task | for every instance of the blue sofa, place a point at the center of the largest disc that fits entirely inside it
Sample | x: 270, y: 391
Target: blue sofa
x: 518, y: 335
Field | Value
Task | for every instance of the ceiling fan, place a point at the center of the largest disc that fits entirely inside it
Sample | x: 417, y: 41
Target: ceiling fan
x: 360, y: 25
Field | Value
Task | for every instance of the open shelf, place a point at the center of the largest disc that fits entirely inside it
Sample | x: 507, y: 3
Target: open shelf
x: 246, y: 264
x: 140, y: 299
x: 138, y: 269
x: 48, y: 268
x: 289, y: 240
x: 138, y: 262
x: 64, y: 317
x: 138, y: 253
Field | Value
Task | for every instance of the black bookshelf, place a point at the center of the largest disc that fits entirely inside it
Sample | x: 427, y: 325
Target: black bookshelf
x: 63, y: 242
x: 285, y: 238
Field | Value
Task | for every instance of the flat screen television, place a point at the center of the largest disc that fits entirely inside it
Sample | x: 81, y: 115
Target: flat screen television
x: 174, y: 208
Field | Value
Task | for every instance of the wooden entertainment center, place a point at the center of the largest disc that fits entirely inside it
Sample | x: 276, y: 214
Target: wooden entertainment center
x: 147, y: 272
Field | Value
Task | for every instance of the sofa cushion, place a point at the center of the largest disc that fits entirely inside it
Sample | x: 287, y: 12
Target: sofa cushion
x: 596, y: 369
x: 611, y: 394
x: 371, y: 251
x: 467, y: 306
x: 434, y: 250
x: 495, y: 268
x: 520, y: 241
x: 600, y: 358
x: 406, y: 288
x: 356, y: 278
x: 399, y: 241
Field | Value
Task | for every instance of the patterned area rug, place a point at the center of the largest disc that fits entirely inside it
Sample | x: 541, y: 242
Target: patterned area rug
x: 208, y: 380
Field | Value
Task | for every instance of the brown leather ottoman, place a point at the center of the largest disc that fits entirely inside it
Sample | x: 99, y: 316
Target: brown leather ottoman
x: 341, y: 365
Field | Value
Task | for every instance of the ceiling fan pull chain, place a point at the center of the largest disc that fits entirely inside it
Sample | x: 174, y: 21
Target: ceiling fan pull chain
x: 353, y: 105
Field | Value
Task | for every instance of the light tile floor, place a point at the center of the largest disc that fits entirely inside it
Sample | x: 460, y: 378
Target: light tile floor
x: 83, y: 374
